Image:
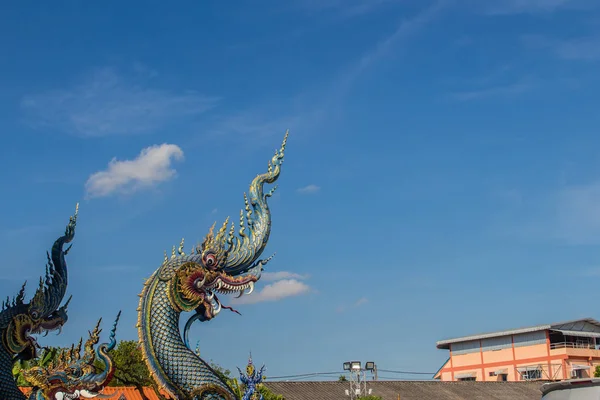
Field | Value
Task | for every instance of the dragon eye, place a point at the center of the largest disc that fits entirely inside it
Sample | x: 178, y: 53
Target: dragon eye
x: 210, y: 260
x: 34, y: 314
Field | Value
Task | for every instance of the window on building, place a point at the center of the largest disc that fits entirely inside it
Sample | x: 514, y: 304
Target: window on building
x: 531, y: 374
x: 471, y: 346
x: 503, y: 377
x: 468, y: 378
x: 529, y: 338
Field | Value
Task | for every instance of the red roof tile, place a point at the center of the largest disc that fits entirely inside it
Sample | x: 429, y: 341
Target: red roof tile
x: 129, y: 392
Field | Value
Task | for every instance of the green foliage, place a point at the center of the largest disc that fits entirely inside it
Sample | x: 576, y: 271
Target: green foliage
x: 597, y: 372
x: 342, y: 378
x: 225, y: 374
x: 370, y: 397
x: 238, y: 388
x: 130, y: 368
x: 267, y: 394
x: 48, y: 355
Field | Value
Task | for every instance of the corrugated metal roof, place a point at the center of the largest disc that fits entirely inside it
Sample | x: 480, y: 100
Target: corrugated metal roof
x: 412, y: 390
x: 445, y: 344
x: 388, y: 390
x: 579, y: 333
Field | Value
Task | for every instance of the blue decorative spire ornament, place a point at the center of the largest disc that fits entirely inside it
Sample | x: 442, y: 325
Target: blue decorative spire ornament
x: 251, y: 380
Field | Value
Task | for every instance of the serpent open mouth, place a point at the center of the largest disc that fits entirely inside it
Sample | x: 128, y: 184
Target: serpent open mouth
x: 22, y: 332
x: 225, y: 284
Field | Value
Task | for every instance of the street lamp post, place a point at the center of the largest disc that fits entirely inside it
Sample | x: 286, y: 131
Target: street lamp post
x: 371, y: 366
x: 358, y: 382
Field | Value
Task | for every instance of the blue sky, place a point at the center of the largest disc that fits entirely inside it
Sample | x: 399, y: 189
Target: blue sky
x: 441, y: 178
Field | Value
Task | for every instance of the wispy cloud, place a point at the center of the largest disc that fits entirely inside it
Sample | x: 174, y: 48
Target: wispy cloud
x: 279, y: 275
x: 309, y: 189
x: 591, y: 272
x: 24, y: 230
x: 405, y: 29
x: 501, y: 81
x: 8, y: 277
x: 106, y: 268
x: 506, y: 7
x: 569, y: 215
x: 361, y: 301
x: 285, y: 284
x: 586, y: 48
x: 151, y: 167
x: 578, y: 214
x: 307, y: 111
x: 344, y: 8
x: 494, y: 91
x: 253, y: 124
x: 106, y: 103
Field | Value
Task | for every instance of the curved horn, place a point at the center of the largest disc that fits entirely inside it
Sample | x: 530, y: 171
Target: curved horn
x: 101, y: 353
x: 53, y: 287
x: 246, y: 248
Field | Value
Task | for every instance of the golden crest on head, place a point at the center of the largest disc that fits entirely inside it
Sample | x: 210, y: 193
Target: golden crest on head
x: 250, y: 369
x: 216, y: 244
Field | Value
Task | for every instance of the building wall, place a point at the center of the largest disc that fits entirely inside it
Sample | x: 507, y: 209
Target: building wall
x: 511, y: 352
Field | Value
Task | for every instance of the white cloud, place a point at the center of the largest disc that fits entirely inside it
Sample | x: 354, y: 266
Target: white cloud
x: 357, y: 303
x: 275, y: 291
x: 275, y: 276
x: 151, y: 167
x: 107, y: 104
x: 309, y: 189
x: 361, y: 301
x: 578, y: 214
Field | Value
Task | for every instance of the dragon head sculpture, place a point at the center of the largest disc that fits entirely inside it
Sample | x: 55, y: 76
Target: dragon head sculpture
x: 225, y: 263
x: 73, y: 374
x: 20, y: 320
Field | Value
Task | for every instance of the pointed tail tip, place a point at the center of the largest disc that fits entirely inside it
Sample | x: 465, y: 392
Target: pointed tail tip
x: 285, y: 138
x: 67, y: 302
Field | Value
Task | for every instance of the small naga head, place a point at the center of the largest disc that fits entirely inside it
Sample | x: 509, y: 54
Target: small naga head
x: 18, y: 337
x: 42, y: 314
x: 72, y: 373
x: 226, y: 263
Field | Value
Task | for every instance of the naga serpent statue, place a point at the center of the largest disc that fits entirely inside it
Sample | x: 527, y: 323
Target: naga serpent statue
x: 42, y: 314
x: 251, y: 380
x: 224, y: 263
x: 73, y: 375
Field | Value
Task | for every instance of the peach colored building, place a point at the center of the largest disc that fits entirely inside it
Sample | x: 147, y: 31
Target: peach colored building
x: 563, y: 350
